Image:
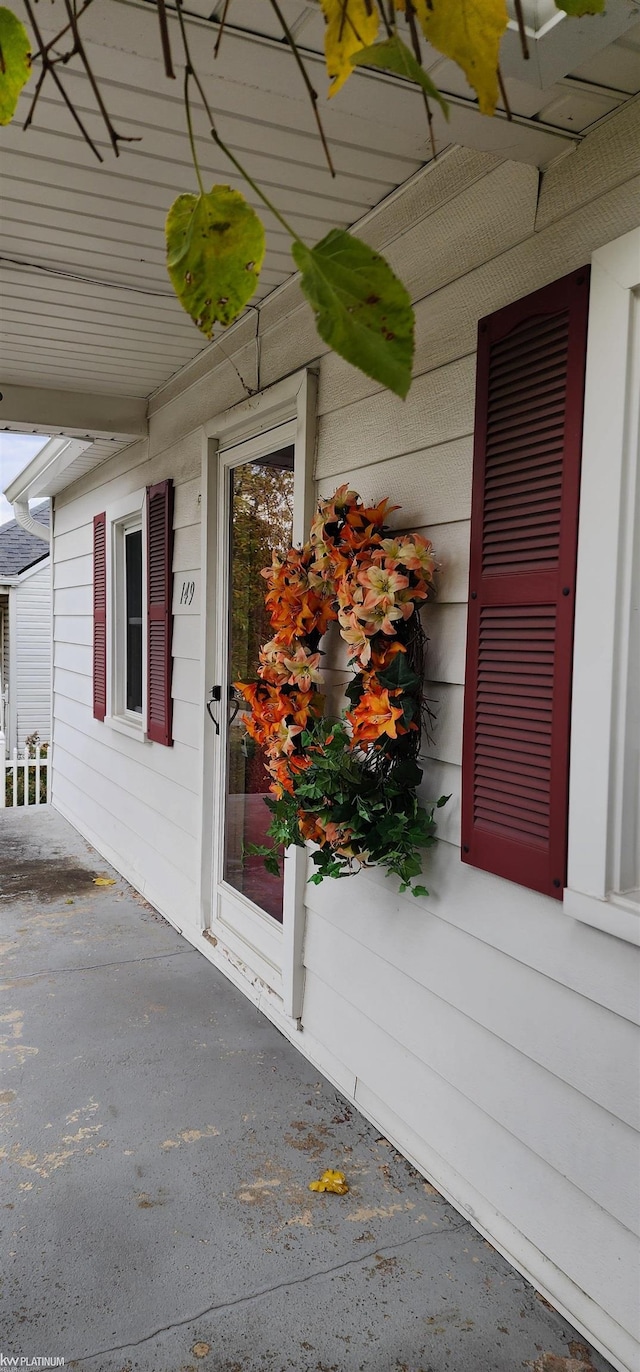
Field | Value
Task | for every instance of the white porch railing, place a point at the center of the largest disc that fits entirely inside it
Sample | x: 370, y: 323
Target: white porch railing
x: 23, y: 780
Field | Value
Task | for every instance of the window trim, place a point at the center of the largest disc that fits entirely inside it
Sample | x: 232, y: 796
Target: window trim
x: 608, y: 542
x: 123, y: 517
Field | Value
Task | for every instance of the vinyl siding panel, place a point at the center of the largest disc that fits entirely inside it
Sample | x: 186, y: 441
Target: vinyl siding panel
x: 32, y: 652
x: 138, y: 801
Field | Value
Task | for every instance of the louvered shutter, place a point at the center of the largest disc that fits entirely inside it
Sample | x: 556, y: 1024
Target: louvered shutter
x: 159, y: 585
x: 99, y: 616
x: 524, y: 532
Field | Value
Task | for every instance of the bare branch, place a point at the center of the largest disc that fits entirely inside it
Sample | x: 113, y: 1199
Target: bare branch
x: 52, y: 41
x: 505, y: 97
x: 79, y: 48
x: 48, y: 67
x: 165, y: 39
x: 521, y: 29
x: 385, y: 20
x: 313, y: 94
x: 221, y: 29
x: 417, y: 52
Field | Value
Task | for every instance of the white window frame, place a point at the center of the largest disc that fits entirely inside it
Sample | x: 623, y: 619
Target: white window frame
x: 124, y: 517
x: 604, y: 790
x: 293, y: 399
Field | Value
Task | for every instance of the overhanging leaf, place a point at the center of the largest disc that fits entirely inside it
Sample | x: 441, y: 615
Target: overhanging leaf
x: 215, y: 249
x: 577, y: 8
x: 362, y: 310
x: 15, y: 63
x: 394, y: 55
x: 469, y: 32
x: 351, y: 25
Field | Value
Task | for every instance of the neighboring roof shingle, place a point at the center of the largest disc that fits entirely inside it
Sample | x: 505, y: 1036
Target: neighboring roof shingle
x: 18, y: 549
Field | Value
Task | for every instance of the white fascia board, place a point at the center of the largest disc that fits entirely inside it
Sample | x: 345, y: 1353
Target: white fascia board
x: 72, y: 414
x: 31, y: 571
x: 50, y: 462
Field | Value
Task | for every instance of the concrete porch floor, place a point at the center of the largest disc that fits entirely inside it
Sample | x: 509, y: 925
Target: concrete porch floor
x: 157, y: 1138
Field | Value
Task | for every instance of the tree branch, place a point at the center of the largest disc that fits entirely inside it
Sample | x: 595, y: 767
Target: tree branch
x: 313, y: 94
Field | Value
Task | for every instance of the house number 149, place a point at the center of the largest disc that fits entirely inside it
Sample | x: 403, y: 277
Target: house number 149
x: 187, y: 593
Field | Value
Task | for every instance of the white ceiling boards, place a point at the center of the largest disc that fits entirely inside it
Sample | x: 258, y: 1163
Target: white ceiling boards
x: 87, y: 304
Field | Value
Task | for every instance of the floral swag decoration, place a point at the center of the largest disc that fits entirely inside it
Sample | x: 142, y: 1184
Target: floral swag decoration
x: 348, y: 785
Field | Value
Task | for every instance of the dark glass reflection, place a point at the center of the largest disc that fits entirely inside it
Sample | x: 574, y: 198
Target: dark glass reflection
x: 261, y: 521
x: 133, y: 581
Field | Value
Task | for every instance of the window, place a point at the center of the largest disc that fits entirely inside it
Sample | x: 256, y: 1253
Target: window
x: 127, y: 616
x: 524, y: 533
x: 133, y: 613
x: 132, y: 584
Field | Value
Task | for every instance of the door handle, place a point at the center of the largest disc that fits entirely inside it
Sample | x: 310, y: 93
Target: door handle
x: 235, y: 701
x: 215, y: 694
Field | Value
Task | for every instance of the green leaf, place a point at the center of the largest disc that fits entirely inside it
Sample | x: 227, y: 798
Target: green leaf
x: 215, y: 249
x: 576, y: 8
x: 394, y: 55
x: 362, y: 310
x: 398, y: 675
x: 15, y: 63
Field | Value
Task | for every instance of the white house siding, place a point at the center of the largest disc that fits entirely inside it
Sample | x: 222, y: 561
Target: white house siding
x: 30, y: 679
x: 491, y: 1037
x: 139, y: 802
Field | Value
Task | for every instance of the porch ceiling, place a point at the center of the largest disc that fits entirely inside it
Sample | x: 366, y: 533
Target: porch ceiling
x: 87, y: 304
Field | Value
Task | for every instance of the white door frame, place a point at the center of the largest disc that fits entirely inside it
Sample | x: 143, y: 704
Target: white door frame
x: 293, y: 399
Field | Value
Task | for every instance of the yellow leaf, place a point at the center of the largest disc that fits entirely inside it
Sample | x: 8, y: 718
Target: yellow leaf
x: 469, y: 32
x: 331, y: 1181
x: 104, y: 881
x: 351, y: 25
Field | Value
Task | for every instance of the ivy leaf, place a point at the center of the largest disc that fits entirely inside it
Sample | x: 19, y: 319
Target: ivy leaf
x: 394, y: 55
x: 362, y: 310
x: 577, y: 8
x: 469, y: 32
x: 398, y: 675
x: 215, y: 249
x: 351, y: 25
x: 15, y: 63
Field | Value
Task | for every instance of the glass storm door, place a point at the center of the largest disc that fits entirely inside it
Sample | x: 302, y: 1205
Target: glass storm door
x: 256, y: 502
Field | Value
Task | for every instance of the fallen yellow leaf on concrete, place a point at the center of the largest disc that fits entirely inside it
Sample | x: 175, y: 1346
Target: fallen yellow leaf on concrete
x: 331, y: 1181
x: 104, y: 881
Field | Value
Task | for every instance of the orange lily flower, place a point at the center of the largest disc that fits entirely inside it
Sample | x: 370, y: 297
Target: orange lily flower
x: 373, y: 716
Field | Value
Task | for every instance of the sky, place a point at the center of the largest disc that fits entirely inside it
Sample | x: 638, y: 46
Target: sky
x: 16, y: 451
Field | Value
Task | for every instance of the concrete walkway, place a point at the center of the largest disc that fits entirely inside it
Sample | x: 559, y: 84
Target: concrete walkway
x: 157, y: 1140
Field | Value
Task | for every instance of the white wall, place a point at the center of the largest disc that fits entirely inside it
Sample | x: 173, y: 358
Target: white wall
x: 30, y: 656
x: 139, y: 802
x: 489, y: 1035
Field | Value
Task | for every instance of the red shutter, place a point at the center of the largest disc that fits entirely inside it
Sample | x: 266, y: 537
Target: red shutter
x: 159, y: 586
x: 524, y: 534
x: 99, y: 616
